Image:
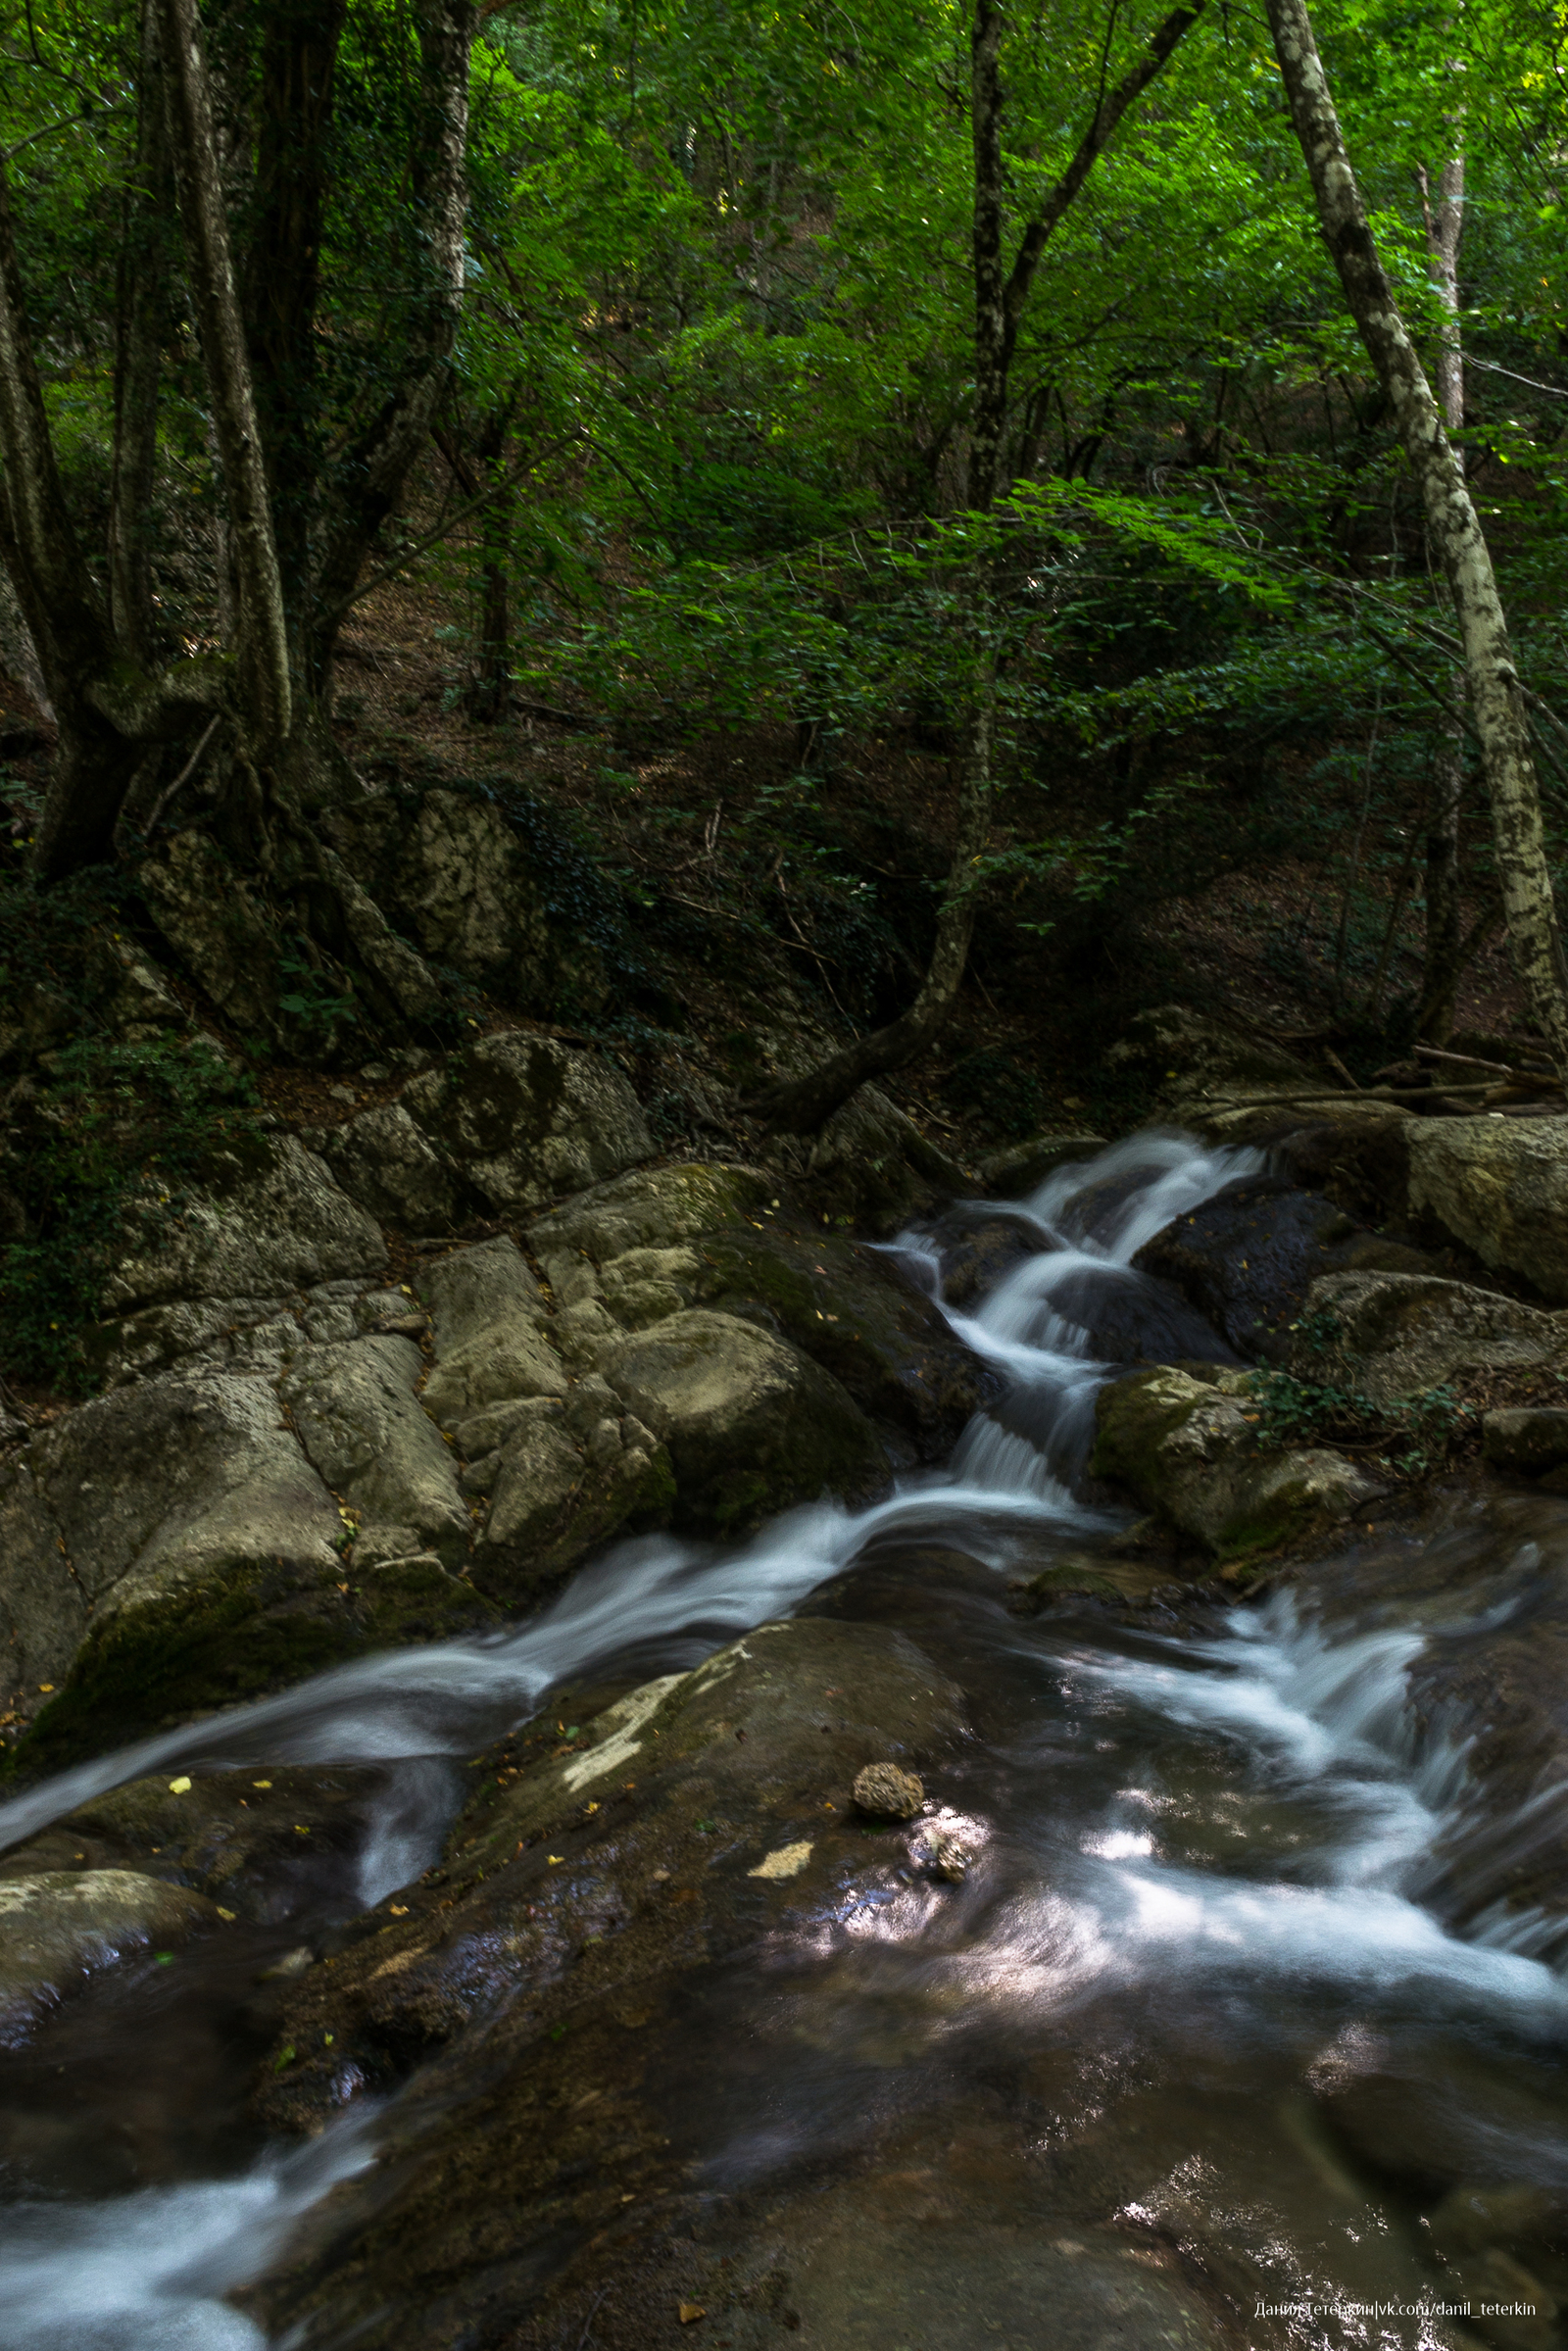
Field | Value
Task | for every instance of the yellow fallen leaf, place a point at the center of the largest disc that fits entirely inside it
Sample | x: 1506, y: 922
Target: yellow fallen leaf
x: 690, y: 2311
x: 300, y: 1830
x: 180, y: 1788
x: 553, y: 1858
x: 399, y: 1910
x: 260, y: 1784
x: 44, y: 1688
x: 226, y: 1915
x: 590, y: 1808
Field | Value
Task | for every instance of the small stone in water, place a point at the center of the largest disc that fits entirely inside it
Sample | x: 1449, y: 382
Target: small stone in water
x: 888, y: 1792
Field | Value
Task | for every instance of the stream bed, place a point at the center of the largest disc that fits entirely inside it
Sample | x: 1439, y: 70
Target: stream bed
x: 1227, y: 2037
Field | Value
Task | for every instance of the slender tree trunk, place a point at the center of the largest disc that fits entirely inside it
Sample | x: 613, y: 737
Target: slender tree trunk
x: 1444, y: 923
x: 376, y: 470
x: 802, y: 1104
x: 283, y: 277
x: 139, y: 318
x: 1523, y: 875
x: 266, y: 687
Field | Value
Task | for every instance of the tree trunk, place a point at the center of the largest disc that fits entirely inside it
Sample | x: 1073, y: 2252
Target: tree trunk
x: 801, y: 1105
x: 265, y: 688
x: 375, y: 471
x: 139, y: 307
x: 283, y: 277
x: 1455, y: 532
x: 1444, y: 925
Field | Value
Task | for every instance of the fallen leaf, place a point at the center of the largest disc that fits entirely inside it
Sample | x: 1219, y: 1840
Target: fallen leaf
x: 554, y: 1858
x: 260, y: 1784
x: 228, y: 1916
x: 690, y: 2311
x: 180, y: 1788
x: 399, y: 1910
x: 44, y: 1688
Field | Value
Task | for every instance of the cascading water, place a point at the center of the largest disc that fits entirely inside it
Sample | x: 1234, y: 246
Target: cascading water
x: 1207, y: 1849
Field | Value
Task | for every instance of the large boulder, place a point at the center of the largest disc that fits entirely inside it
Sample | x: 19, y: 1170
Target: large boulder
x: 268, y: 1218
x: 1247, y: 1258
x: 1392, y: 1335
x: 394, y: 1170
x: 752, y: 1425
x: 1500, y: 1186
x: 568, y: 1474
x: 871, y: 1163
x: 492, y: 1335
x: 58, y: 1928
x: 658, y: 1208
x: 1189, y: 1450
x: 527, y: 1119
x: 850, y: 1308
x: 463, y: 880
x: 676, y: 1826
x: 360, y: 1420
x: 206, y: 912
x: 206, y: 1548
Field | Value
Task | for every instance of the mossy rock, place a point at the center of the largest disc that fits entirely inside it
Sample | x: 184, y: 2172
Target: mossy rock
x: 239, y: 1636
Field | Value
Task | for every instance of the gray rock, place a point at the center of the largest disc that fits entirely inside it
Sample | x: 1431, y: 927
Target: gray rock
x: 180, y: 1480
x: 1188, y: 1451
x: 1526, y: 1437
x: 208, y: 917
x: 653, y: 1210
x: 1021, y: 1169
x: 43, y: 1609
x: 879, y: 1144
x: 133, y: 1000
x: 1500, y: 1186
x: 462, y: 878
x: 752, y: 1425
x: 571, y: 1474
x: 1400, y: 1332
x: 62, y: 1927
x: 527, y: 1119
x: 360, y: 1423
x: 187, y: 1331
x: 384, y: 1162
x: 406, y: 978
x: 492, y: 1340
x: 273, y: 1221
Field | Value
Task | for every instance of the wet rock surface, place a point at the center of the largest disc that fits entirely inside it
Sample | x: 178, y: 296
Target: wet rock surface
x: 1248, y: 1257
x: 576, y: 1895
x: 1189, y: 1450
x: 60, y: 1927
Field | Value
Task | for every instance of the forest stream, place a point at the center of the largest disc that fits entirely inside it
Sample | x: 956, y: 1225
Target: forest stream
x: 1219, y: 2040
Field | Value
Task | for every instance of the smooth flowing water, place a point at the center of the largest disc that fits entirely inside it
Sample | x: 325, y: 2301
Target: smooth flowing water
x: 1207, y: 2000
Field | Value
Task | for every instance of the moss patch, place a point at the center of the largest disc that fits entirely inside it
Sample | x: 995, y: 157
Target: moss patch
x: 238, y: 1638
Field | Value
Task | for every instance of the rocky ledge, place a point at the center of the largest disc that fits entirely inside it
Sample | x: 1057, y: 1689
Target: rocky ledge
x: 301, y: 1454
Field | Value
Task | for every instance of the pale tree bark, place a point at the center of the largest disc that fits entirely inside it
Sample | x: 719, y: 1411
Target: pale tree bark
x: 801, y: 1105
x: 267, y: 698
x: 1454, y: 530
x: 1444, y: 923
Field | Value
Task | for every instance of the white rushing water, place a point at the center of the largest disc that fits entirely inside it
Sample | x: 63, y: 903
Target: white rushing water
x: 1305, y: 1719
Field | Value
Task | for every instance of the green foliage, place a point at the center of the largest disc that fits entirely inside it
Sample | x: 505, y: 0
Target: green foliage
x: 110, y: 1121
x: 1413, y: 1432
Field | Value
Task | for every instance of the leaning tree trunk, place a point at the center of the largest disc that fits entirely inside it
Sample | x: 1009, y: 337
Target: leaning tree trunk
x: 1495, y: 699
x: 1444, y: 922
x: 801, y: 1105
